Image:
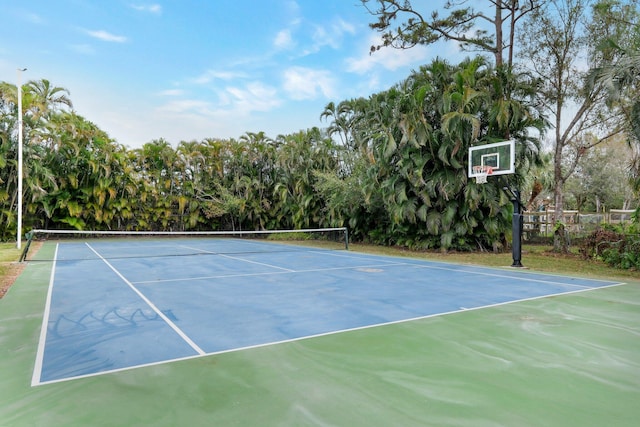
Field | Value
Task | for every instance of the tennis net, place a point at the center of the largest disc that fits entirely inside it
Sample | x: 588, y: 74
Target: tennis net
x: 145, y: 244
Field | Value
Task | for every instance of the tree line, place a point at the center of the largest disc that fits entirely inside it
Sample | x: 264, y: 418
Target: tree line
x: 392, y: 166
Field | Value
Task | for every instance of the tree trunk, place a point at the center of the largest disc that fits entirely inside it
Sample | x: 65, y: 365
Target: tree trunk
x: 512, y: 31
x: 498, y: 27
x: 560, y: 241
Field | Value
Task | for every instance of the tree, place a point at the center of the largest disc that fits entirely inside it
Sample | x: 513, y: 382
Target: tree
x: 41, y: 102
x: 46, y: 98
x: 414, y: 139
x: 601, y: 180
x: 621, y: 80
x: 157, y: 164
x: 300, y: 157
x: 561, y: 37
x: 464, y: 24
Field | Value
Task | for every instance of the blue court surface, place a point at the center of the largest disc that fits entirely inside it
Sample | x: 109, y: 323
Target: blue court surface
x: 121, y: 304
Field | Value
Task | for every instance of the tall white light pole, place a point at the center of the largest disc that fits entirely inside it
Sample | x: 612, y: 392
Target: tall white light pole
x: 19, y: 87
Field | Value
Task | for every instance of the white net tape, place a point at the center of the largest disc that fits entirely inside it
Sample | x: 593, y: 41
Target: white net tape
x: 170, y: 243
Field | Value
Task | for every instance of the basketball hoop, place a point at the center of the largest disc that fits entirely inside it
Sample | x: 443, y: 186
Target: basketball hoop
x: 498, y: 158
x: 481, y: 178
x: 482, y: 172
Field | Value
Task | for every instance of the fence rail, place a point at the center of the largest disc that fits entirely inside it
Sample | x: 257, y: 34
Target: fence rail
x: 541, y: 223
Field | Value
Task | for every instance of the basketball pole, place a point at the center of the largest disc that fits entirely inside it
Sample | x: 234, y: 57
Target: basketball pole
x: 516, y: 227
x: 19, y: 226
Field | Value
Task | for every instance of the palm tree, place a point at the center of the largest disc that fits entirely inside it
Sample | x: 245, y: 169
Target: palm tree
x: 157, y: 165
x: 39, y: 100
x: 419, y: 133
x: 87, y: 174
x: 45, y: 98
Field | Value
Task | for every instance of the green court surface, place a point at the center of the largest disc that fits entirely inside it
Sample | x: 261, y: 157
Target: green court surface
x: 569, y: 360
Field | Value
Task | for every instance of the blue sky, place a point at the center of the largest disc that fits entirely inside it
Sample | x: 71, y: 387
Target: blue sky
x: 185, y: 70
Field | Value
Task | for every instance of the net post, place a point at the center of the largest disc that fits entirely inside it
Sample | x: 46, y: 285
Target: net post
x: 346, y: 238
x: 23, y: 255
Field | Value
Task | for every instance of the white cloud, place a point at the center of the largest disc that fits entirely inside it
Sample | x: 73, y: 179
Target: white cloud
x: 373, y: 83
x: 292, y: 7
x: 344, y: 27
x: 305, y: 83
x: 106, y: 36
x: 34, y: 18
x: 171, y: 92
x: 388, y: 58
x: 210, y: 75
x: 151, y: 8
x: 255, y: 96
x: 186, y: 105
x: 331, y: 35
x: 84, y: 49
x: 320, y: 38
x: 283, y: 40
x: 234, y: 101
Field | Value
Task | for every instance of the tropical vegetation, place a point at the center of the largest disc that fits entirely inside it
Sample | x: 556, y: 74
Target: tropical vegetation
x: 392, y: 166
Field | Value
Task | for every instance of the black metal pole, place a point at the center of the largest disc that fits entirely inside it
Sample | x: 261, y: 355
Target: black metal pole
x: 346, y: 238
x: 516, y: 229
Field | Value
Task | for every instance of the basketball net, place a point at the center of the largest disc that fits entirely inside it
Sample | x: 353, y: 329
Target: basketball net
x: 482, y: 173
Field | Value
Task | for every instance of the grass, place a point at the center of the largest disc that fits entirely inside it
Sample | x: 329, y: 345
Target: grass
x: 9, y: 270
x: 9, y: 253
x: 534, y: 257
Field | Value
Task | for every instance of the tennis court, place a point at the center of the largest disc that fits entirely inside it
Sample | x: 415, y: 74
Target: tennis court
x: 322, y: 333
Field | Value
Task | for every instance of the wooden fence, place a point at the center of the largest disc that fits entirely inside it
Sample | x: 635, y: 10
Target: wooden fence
x: 541, y: 223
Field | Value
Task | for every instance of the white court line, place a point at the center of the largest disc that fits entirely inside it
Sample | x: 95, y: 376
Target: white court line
x: 150, y: 304
x: 523, y: 278
x: 238, y: 259
x: 37, y: 369
x: 324, y: 334
x: 470, y: 270
x: 268, y: 273
x: 477, y: 269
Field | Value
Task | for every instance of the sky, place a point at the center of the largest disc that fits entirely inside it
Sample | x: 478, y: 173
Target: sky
x: 187, y: 70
